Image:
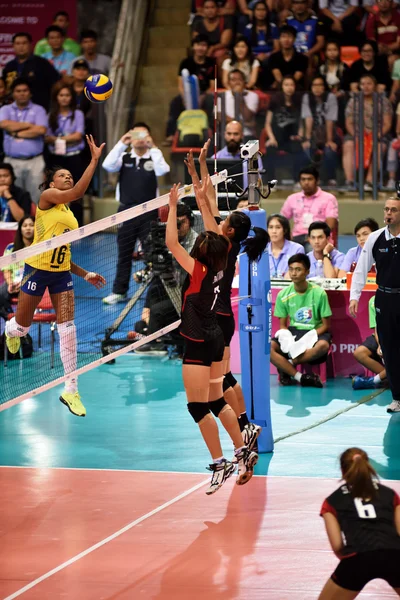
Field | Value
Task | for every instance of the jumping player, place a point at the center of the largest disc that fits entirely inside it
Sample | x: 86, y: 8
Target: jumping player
x: 204, y: 347
x: 236, y: 227
x: 362, y: 520
x: 53, y: 270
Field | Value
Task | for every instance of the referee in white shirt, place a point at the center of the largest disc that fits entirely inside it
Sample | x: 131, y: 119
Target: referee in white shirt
x: 383, y: 249
x: 138, y: 171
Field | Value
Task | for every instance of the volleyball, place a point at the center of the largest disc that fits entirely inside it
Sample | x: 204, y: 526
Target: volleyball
x: 98, y: 88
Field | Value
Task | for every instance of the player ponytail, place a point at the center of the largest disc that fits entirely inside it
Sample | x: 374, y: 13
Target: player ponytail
x: 255, y: 244
x: 358, y: 474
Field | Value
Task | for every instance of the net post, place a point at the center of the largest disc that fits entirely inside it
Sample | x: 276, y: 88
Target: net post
x: 255, y: 325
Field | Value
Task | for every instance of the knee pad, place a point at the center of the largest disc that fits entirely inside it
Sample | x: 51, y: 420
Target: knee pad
x: 217, y: 405
x: 198, y: 410
x: 226, y: 385
x: 15, y: 330
x: 230, y: 379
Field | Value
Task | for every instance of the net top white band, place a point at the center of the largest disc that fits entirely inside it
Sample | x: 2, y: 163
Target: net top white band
x: 101, y: 224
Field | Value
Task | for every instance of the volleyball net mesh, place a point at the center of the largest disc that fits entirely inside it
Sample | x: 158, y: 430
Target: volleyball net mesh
x: 149, y: 314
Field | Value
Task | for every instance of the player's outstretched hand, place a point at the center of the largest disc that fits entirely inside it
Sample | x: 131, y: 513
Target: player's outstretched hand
x: 189, y: 162
x: 95, y: 151
x: 174, y: 194
x: 204, y: 151
x: 200, y: 190
x: 95, y: 279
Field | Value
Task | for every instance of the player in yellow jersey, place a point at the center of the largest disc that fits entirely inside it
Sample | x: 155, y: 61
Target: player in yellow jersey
x: 53, y: 270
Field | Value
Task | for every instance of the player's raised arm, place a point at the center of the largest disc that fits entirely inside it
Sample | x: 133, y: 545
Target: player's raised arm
x: 70, y: 191
x: 171, y: 234
x: 201, y: 194
x: 211, y: 196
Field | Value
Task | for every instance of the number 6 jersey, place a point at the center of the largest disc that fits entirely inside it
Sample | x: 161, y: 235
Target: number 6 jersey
x: 49, y: 223
x: 365, y: 524
x: 199, y: 296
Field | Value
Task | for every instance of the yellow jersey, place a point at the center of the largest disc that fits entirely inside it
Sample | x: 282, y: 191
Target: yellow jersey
x: 48, y: 224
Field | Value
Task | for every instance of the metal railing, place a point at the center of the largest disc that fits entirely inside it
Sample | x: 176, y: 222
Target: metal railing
x: 132, y: 25
x: 377, y: 142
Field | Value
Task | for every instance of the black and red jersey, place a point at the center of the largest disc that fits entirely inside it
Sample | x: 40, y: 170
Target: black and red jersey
x: 224, y: 306
x: 365, y: 524
x: 199, y: 296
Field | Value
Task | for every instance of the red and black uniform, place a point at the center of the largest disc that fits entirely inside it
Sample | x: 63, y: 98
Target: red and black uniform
x: 372, y: 545
x: 223, y: 307
x: 199, y: 326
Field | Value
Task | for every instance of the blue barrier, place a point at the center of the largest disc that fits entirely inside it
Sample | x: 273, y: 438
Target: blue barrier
x: 255, y: 324
x: 191, y: 90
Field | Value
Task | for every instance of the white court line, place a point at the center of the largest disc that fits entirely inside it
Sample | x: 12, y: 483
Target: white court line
x: 110, y: 538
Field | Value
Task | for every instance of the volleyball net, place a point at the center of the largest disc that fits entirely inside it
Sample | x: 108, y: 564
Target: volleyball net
x: 128, y: 246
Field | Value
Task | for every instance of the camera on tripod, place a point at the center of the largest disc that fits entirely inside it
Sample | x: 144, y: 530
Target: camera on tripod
x: 157, y: 256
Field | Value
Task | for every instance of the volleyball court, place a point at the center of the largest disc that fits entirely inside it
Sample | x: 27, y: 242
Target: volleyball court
x: 92, y: 533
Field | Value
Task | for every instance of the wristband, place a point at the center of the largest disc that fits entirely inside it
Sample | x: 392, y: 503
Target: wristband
x: 90, y: 275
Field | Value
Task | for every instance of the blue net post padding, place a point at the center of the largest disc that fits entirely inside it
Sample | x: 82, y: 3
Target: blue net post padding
x: 255, y: 325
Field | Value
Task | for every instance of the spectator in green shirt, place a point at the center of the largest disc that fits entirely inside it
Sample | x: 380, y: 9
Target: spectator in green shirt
x: 61, y: 19
x: 302, y: 308
x: 369, y: 355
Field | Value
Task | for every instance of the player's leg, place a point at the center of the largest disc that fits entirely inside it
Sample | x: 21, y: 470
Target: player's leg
x: 32, y: 289
x: 281, y: 362
x: 367, y: 355
x: 364, y: 356
x: 250, y: 431
x: 318, y: 351
x: 64, y: 306
x: 229, y: 393
x: 245, y: 458
x: 332, y: 591
x: 126, y: 240
x: 196, y: 379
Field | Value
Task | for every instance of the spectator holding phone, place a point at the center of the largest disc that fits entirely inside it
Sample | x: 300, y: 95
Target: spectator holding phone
x: 138, y: 171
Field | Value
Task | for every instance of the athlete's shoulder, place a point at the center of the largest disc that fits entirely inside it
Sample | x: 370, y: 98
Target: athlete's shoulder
x: 337, y: 497
x: 374, y: 236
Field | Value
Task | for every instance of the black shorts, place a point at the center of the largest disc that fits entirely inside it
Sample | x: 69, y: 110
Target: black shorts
x: 203, y: 353
x: 298, y: 333
x: 355, y: 572
x: 372, y: 345
x: 227, y: 324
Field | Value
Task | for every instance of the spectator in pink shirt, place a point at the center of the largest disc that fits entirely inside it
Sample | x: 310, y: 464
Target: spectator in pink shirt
x: 309, y: 205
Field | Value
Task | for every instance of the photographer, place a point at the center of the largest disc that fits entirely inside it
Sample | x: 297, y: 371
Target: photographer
x: 138, y: 171
x: 158, y: 310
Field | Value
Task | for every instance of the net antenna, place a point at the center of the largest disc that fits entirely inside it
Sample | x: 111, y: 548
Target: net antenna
x: 217, y: 101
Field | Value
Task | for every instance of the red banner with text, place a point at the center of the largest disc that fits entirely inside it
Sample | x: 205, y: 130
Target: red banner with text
x: 32, y: 17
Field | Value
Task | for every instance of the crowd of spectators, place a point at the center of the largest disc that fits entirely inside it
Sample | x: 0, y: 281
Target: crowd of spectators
x: 44, y: 113
x: 303, y: 61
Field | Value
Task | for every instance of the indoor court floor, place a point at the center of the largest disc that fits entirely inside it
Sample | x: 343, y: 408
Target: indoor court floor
x: 112, y: 506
